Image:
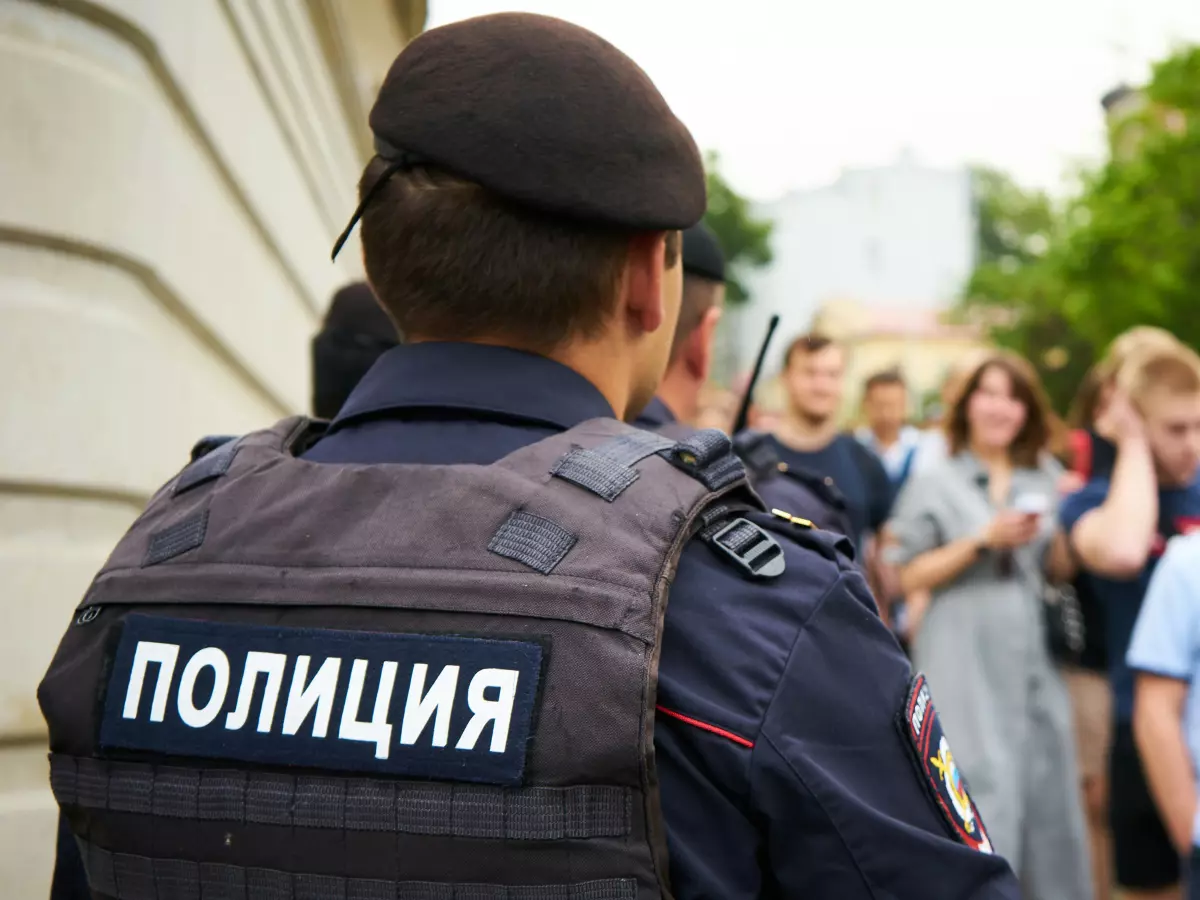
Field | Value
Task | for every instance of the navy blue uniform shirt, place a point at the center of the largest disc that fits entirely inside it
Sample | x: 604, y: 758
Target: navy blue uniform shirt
x: 782, y: 766
x: 856, y: 472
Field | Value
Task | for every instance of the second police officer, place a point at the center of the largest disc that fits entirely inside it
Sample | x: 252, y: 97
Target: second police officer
x: 803, y: 494
x: 426, y: 651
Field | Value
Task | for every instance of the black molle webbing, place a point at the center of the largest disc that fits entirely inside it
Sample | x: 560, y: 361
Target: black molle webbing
x: 633, y: 447
x: 707, y: 456
x: 607, y: 470
x: 126, y: 876
x: 578, y: 812
x: 186, y: 534
x: 532, y: 541
x: 595, y: 472
x: 707, y: 446
x: 211, y: 465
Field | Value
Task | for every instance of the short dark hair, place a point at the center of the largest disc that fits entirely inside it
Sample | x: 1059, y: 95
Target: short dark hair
x: 448, y: 258
x: 886, y: 378
x: 1039, y: 431
x: 806, y: 344
x: 699, y: 296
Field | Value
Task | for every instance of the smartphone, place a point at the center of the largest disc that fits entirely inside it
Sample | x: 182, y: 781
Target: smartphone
x: 1032, y: 504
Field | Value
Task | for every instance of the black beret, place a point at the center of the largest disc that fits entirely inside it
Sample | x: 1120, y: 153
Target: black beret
x: 355, y: 311
x: 356, y: 332
x: 545, y: 114
x: 702, y: 253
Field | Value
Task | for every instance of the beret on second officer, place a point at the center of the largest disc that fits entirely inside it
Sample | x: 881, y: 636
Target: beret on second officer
x: 545, y: 114
x: 702, y: 253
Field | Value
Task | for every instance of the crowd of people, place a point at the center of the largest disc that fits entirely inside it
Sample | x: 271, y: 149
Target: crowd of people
x: 1078, y: 737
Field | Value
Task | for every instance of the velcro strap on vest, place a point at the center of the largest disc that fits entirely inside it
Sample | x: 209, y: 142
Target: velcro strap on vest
x: 708, y: 457
x: 177, y: 539
x: 126, y: 876
x: 210, y: 465
x: 356, y: 804
x: 595, y: 472
x: 532, y: 541
x: 607, y: 470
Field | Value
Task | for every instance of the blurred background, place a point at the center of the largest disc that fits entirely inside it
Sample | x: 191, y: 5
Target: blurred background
x: 915, y: 180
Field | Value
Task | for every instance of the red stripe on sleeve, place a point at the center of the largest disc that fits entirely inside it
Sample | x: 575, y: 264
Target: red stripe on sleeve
x: 713, y: 729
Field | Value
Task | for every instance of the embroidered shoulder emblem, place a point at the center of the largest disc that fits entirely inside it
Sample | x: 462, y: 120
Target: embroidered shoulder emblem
x: 922, y: 733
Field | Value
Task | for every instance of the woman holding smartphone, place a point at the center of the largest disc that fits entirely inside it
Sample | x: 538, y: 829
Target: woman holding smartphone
x: 977, y: 531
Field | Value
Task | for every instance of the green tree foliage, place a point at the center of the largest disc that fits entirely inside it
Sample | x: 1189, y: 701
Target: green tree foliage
x: 1016, y: 292
x: 745, y: 239
x: 1057, y: 284
x: 1132, y: 256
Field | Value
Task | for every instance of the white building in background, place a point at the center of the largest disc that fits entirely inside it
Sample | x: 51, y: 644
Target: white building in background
x: 894, y: 237
x: 172, y: 176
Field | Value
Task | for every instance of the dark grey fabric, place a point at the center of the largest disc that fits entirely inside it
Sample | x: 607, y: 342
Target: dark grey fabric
x: 357, y: 804
x: 127, y: 876
x: 479, y: 551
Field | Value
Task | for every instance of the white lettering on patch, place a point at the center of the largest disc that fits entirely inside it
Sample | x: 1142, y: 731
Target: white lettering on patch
x: 319, y: 693
x: 439, y: 703
x: 198, y: 717
x: 378, y: 730
x: 258, y: 663
x: 498, y: 711
x: 148, y: 652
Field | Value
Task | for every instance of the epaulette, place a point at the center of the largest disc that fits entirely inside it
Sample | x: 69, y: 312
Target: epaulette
x: 834, y: 547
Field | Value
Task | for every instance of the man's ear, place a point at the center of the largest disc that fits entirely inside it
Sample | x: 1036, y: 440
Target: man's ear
x: 643, y: 282
x: 698, y: 350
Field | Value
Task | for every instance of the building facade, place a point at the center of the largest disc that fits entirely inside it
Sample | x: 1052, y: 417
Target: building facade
x: 173, y: 176
x: 897, y: 237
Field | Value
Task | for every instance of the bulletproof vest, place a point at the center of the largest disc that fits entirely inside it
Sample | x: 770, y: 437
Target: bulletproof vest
x: 302, y: 680
x: 818, y: 499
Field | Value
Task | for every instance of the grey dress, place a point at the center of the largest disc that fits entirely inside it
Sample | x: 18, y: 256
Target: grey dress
x: 1002, y: 703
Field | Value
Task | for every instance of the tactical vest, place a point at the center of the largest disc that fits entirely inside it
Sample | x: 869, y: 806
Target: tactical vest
x: 819, y: 500
x: 295, y: 680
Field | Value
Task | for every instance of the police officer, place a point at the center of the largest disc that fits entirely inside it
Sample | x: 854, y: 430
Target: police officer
x: 804, y: 494
x: 422, y: 652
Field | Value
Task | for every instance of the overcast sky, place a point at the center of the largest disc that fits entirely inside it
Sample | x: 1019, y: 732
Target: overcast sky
x: 790, y: 92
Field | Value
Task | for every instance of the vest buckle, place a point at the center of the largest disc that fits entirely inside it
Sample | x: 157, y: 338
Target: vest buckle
x: 752, y: 548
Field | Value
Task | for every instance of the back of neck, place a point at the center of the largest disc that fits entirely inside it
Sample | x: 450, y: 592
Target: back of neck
x: 680, y: 394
